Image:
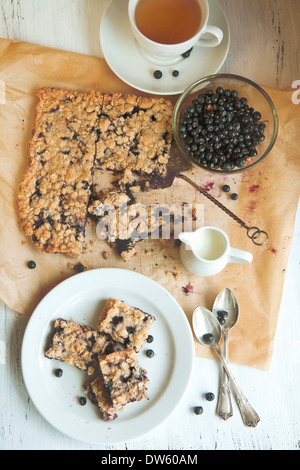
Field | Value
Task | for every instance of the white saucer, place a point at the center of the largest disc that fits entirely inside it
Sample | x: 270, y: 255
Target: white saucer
x: 125, y: 59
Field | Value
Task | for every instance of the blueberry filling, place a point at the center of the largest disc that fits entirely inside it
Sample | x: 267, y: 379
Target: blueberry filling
x: 130, y: 329
x: 116, y: 320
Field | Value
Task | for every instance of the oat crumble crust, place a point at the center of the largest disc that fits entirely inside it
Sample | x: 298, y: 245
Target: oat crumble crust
x: 78, y: 345
x: 75, y: 132
x: 124, y: 379
x: 126, y: 325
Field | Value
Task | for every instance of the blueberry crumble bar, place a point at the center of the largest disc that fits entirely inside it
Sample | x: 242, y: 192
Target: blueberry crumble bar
x: 124, y: 379
x: 126, y: 325
x: 135, y: 134
x: 74, y: 134
x: 78, y: 345
x: 55, y: 189
x: 97, y: 393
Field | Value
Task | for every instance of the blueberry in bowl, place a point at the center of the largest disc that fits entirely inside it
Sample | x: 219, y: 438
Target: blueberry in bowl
x: 225, y: 123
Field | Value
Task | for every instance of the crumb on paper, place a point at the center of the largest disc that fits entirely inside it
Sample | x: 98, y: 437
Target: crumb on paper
x: 188, y: 289
x: 208, y: 186
x: 175, y: 274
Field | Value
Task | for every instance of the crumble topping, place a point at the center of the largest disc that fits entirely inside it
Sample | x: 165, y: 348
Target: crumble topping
x: 125, y: 324
x: 78, y: 345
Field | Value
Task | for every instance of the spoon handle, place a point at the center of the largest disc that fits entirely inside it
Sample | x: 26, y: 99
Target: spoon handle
x: 224, y: 406
x: 249, y: 415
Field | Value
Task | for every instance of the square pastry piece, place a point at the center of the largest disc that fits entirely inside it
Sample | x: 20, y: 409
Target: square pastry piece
x: 135, y: 134
x: 78, y: 345
x: 126, y: 325
x: 99, y: 396
x: 124, y: 379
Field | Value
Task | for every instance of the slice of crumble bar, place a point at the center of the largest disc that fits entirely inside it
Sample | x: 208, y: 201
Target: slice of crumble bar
x: 78, y: 345
x: 55, y: 189
x: 135, y: 134
x: 99, y: 396
x: 124, y: 379
x: 125, y: 324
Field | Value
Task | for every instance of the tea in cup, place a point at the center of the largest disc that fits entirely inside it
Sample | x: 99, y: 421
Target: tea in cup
x: 166, y: 29
x: 207, y: 251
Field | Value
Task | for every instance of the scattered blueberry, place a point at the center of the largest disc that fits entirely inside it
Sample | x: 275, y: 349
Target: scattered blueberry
x: 226, y: 188
x: 208, y: 338
x: 234, y: 196
x: 198, y: 410
x: 157, y: 74
x: 31, y: 264
x: 175, y: 73
x: 82, y: 401
x: 150, y: 353
x: 79, y: 268
x: 222, y: 316
x: 187, y: 54
x: 222, y: 313
x: 58, y: 372
x: 150, y: 339
x: 209, y: 396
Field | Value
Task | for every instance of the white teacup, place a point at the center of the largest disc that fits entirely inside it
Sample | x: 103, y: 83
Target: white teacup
x: 207, y: 251
x: 166, y: 53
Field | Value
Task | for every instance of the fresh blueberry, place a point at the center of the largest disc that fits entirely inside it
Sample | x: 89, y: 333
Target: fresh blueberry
x: 209, y: 396
x: 31, y: 264
x: 150, y: 353
x: 198, y: 410
x: 157, y: 74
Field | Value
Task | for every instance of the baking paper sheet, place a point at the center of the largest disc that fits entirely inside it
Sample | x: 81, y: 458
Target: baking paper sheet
x: 268, y: 198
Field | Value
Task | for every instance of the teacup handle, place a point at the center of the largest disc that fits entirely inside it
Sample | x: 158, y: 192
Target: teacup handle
x: 216, y: 37
x: 239, y: 256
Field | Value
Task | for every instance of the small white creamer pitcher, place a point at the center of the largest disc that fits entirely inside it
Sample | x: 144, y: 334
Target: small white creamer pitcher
x: 207, y: 251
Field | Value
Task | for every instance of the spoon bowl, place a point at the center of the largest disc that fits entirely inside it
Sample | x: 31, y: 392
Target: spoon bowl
x: 226, y: 302
x: 206, y: 327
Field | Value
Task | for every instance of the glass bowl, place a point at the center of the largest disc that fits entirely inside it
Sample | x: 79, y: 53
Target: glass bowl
x: 225, y: 123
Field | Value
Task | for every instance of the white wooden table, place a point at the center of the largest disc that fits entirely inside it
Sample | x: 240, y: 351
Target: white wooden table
x: 265, y: 47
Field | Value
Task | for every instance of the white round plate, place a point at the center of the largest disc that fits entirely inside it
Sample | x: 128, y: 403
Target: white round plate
x: 122, y: 54
x: 81, y: 299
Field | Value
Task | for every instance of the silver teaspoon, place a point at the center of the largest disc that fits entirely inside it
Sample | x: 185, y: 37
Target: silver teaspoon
x: 226, y: 310
x: 208, y: 331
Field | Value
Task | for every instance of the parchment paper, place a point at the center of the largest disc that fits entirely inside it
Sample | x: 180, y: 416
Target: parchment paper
x: 268, y: 198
